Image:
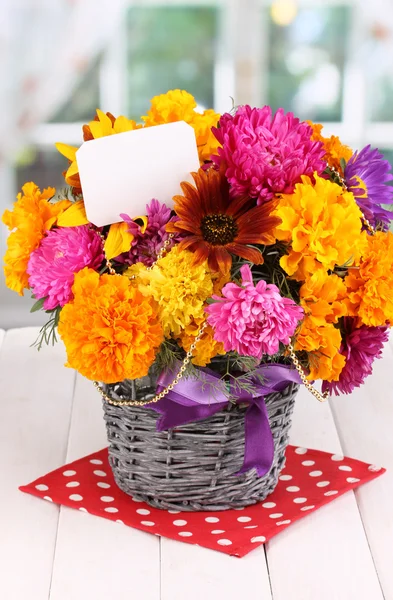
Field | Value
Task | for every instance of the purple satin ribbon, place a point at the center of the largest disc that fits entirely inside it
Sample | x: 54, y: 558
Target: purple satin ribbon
x: 195, y: 400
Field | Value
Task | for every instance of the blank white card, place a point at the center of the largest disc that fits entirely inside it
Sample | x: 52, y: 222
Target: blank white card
x: 121, y: 173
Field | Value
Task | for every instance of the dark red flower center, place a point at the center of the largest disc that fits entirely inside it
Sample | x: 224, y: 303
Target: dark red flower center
x: 219, y: 230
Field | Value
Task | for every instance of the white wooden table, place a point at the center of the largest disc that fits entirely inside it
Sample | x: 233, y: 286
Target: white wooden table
x: 49, y: 416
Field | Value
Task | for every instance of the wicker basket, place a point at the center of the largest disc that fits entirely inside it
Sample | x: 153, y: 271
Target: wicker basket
x: 191, y: 468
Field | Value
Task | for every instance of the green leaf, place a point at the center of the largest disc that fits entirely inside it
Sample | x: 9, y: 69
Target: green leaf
x: 343, y: 164
x: 37, y: 305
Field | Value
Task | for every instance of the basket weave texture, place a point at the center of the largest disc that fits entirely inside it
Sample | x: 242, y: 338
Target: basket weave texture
x: 191, y: 468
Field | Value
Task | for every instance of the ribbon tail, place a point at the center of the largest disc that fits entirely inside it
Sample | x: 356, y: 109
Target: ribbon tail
x: 259, y: 443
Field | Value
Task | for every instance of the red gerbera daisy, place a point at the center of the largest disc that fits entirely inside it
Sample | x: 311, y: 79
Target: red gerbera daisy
x: 215, y: 226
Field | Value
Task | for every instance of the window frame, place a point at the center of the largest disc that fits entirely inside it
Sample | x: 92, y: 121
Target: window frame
x: 240, y: 72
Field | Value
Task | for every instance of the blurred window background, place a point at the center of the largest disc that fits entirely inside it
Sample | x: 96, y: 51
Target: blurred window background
x: 325, y: 60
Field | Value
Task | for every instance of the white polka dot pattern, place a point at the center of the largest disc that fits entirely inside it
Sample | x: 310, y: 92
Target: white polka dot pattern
x: 315, y: 473
x: 224, y: 542
x: 76, y: 497
x: 41, y: 487
x: 309, y: 480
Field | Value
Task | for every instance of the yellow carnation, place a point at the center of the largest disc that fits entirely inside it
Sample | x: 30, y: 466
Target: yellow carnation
x: 110, y: 330
x: 179, y: 287
x: 206, y: 141
x: 31, y: 217
x: 179, y: 105
x: 175, y: 105
x: 322, y: 223
x: 370, y: 286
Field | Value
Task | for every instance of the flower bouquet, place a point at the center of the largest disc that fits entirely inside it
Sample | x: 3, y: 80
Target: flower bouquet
x: 198, y: 321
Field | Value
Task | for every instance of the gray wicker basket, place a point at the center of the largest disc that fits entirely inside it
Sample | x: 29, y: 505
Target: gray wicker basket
x: 191, y: 468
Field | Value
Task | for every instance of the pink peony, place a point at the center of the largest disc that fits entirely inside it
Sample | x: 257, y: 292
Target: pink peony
x: 145, y: 246
x: 61, y: 254
x: 361, y: 346
x: 266, y: 154
x: 252, y: 320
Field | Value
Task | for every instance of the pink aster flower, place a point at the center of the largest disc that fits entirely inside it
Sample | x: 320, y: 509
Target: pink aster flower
x: 253, y: 319
x: 61, y: 254
x: 266, y: 154
x: 361, y: 346
x: 147, y: 243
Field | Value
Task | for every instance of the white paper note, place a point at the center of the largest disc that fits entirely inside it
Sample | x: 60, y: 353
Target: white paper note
x: 121, y: 173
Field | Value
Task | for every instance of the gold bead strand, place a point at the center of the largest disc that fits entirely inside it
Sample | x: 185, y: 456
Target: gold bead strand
x: 368, y: 225
x: 163, y: 251
x: 321, y: 397
x: 107, y: 261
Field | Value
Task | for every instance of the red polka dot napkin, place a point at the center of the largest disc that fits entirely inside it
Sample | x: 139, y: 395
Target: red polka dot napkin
x: 311, y: 478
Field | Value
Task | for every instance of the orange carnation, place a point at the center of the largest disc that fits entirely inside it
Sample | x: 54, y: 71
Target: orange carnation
x: 110, y: 330
x: 370, y: 285
x: 207, y: 347
x: 31, y: 217
x: 322, y: 343
x: 335, y: 150
x: 321, y: 297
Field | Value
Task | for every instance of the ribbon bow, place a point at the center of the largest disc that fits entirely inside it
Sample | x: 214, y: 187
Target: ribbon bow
x: 197, y: 399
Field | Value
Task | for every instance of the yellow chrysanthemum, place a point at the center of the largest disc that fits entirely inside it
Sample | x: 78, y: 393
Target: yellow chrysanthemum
x: 370, y: 286
x: 179, y: 287
x: 335, y: 150
x: 322, y: 343
x: 31, y: 217
x: 322, y: 223
x: 110, y: 330
x: 103, y: 125
x: 179, y: 105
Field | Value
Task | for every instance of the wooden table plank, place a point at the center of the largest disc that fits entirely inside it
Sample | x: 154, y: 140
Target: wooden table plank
x: 96, y: 558
x: 36, y: 393
x: 324, y: 556
x: 197, y: 573
x: 365, y: 423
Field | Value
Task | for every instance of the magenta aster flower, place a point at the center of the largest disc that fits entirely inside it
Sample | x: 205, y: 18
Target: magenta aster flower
x: 252, y: 320
x: 266, y: 154
x: 361, y: 346
x: 366, y: 175
x: 147, y: 243
x: 61, y: 254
